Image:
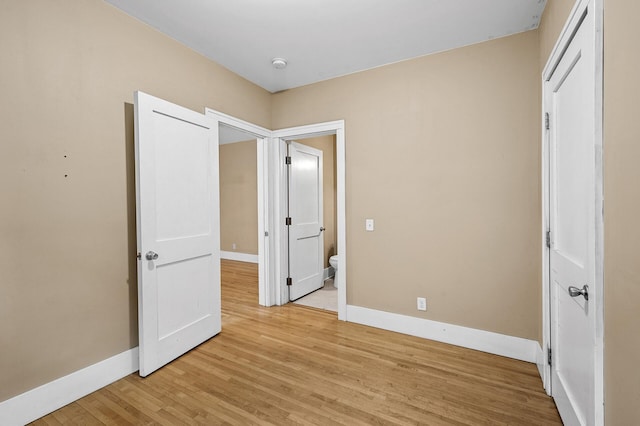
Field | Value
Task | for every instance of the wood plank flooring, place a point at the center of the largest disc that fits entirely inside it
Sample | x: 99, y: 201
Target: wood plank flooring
x: 296, y: 365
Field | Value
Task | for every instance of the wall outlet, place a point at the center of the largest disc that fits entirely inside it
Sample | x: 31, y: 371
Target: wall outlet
x: 233, y: 246
x: 422, y: 304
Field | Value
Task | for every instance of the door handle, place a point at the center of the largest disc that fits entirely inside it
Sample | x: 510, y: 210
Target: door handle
x: 575, y: 291
x: 151, y: 255
x: 322, y: 228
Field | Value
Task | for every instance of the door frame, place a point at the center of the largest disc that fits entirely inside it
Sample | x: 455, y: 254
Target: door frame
x: 266, y: 297
x: 279, y: 176
x: 575, y: 18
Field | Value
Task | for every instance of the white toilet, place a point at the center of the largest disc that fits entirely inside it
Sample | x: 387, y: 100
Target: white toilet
x: 333, y: 261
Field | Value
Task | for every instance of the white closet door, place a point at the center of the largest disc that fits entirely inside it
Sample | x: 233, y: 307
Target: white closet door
x: 572, y: 212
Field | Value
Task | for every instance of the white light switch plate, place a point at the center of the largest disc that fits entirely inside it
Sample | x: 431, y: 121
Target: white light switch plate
x: 368, y: 224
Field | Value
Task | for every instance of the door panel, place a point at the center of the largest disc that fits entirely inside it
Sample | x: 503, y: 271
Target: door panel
x: 571, y: 157
x: 572, y: 213
x: 183, y: 206
x: 306, y: 243
x: 178, y: 227
x: 180, y: 305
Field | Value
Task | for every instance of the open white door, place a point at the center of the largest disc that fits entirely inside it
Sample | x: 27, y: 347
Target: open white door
x: 570, y: 102
x: 177, y: 203
x: 306, y: 242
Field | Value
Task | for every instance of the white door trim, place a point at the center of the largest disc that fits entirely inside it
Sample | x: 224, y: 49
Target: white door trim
x: 265, y: 244
x: 575, y: 17
x: 279, y: 175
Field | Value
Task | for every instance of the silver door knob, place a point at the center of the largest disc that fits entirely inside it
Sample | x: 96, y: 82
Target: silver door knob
x: 575, y: 291
x: 151, y: 255
x: 322, y: 229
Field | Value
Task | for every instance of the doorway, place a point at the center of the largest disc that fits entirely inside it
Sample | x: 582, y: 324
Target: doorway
x: 272, y: 244
x: 573, y: 219
x: 234, y: 130
x: 279, y: 153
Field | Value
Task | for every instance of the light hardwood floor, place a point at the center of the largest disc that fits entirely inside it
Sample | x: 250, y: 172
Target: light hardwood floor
x: 297, y: 365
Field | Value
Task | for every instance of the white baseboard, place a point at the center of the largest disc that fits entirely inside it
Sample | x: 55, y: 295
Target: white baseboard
x: 240, y: 257
x: 51, y: 396
x: 328, y: 273
x: 485, y: 341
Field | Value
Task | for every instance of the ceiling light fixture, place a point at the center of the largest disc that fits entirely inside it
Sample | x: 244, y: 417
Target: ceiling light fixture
x: 279, y: 63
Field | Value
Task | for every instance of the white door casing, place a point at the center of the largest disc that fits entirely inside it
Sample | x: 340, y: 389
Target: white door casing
x: 573, y: 216
x: 306, y: 240
x: 262, y: 170
x: 177, y: 202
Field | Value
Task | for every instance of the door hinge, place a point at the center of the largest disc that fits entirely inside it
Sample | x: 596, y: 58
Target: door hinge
x: 549, y: 357
x: 549, y: 239
x: 289, y: 281
x: 546, y: 120
x: 287, y: 221
x: 287, y: 160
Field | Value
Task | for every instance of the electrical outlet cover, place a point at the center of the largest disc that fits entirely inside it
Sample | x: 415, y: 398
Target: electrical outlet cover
x: 422, y: 304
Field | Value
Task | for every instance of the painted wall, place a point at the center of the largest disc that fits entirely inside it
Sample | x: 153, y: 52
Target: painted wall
x: 555, y: 15
x: 239, y: 197
x: 622, y: 199
x: 67, y: 223
x: 622, y: 211
x: 328, y: 147
x: 443, y: 152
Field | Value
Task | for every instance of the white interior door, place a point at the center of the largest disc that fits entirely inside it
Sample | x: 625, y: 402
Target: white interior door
x: 572, y: 193
x: 178, y: 230
x: 306, y: 242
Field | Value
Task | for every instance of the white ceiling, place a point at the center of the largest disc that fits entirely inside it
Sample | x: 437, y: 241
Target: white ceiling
x: 323, y: 39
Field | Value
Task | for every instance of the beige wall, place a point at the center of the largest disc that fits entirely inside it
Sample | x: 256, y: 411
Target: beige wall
x: 553, y: 19
x: 328, y: 147
x: 67, y: 223
x: 622, y: 211
x: 622, y: 199
x: 239, y: 197
x: 443, y: 152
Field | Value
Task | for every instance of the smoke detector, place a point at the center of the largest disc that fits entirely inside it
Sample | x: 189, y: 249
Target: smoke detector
x: 279, y: 63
